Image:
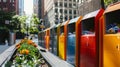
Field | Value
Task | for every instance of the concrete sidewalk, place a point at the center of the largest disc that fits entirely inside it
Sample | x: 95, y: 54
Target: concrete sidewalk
x: 4, y: 47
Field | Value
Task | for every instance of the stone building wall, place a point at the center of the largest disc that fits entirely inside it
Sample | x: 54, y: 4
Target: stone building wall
x: 88, y: 6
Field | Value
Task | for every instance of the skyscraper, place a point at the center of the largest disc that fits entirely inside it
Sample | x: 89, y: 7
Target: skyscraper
x: 35, y: 7
x: 57, y: 11
x: 21, y: 7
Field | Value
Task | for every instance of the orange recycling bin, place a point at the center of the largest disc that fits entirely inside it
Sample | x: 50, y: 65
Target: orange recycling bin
x: 89, y: 42
x: 110, y: 36
x: 47, y: 39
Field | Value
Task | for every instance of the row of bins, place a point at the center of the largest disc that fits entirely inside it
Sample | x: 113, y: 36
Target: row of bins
x: 89, y: 41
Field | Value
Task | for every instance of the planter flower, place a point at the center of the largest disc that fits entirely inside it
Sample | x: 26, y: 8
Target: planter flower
x: 26, y: 55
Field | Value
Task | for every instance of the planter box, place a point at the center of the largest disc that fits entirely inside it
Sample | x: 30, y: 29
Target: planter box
x: 25, y: 59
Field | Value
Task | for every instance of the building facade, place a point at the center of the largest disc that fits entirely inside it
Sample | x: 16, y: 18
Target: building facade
x: 41, y: 9
x: 57, y: 11
x: 87, y: 6
x: 9, y: 5
x: 21, y: 7
x: 35, y: 7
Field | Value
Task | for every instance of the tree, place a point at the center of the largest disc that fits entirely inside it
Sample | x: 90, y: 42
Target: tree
x: 34, y: 22
x: 15, y: 24
x: 22, y: 20
x: 4, y: 28
x: 19, y: 22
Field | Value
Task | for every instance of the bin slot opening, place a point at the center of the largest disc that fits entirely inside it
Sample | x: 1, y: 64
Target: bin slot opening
x: 55, y: 31
x: 71, y: 28
x: 88, y: 26
x: 112, y: 20
x: 61, y: 29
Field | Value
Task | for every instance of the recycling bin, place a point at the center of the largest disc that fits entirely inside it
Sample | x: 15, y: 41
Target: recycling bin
x: 51, y: 44
x: 55, y: 41
x: 71, y: 48
x: 51, y: 41
x: 89, y: 42
x: 63, y: 40
x: 12, y: 38
x: 71, y: 51
x: 110, y: 36
x: 47, y: 38
x: 41, y: 38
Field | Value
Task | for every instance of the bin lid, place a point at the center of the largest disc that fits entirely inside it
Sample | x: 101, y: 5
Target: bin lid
x: 65, y: 23
x: 113, y: 7
x: 90, y: 15
x: 57, y: 25
x: 52, y: 26
x: 74, y: 20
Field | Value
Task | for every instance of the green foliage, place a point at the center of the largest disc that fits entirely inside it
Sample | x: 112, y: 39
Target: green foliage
x: 33, y: 29
x: 19, y: 22
x: 108, y: 2
x: 34, y: 22
x: 8, y: 64
x: 22, y: 20
x: 15, y: 22
x: 5, y: 16
x: 23, y: 59
x: 34, y: 19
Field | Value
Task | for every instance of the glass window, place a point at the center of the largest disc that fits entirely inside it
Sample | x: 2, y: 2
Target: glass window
x: 56, y: 16
x: 74, y: 5
x: 13, y: 1
x: 70, y: 17
x: 56, y: 10
x: 61, y: 10
x: 70, y: 0
x: 70, y: 5
x: 65, y: 5
x: 70, y: 11
x: 74, y: 0
x: 74, y: 11
x: 61, y: 17
x: 61, y: 4
x: 13, y: 4
x: 0, y: 0
x: 4, y: 0
x: 56, y: 4
x: 74, y: 16
x: 65, y: 11
x: 66, y: 18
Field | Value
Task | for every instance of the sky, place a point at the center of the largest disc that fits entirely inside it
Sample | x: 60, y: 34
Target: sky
x: 28, y: 7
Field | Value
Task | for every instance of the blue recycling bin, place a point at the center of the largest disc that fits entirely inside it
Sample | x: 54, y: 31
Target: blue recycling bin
x: 55, y: 45
x: 71, y: 48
